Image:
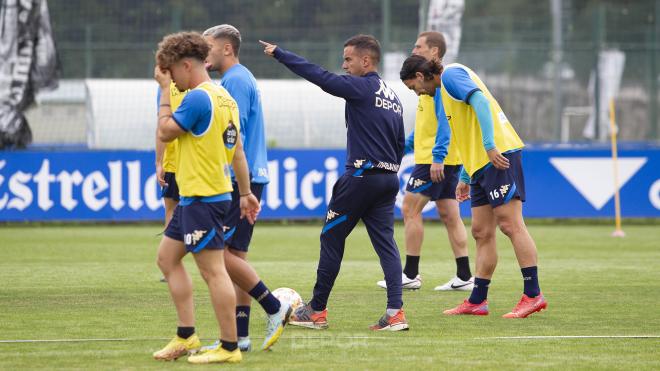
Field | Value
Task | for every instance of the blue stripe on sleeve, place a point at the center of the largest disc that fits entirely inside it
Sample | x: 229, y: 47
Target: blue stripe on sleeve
x: 443, y: 134
x: 465, y: 178
x: 410, y: 143
x: 458, y: 83
x: 194, y: 113
x: 481, y: 107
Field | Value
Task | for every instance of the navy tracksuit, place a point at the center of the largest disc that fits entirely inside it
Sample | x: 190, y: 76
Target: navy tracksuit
x: 368, y: 188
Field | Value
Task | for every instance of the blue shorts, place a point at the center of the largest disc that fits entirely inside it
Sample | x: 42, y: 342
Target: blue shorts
x: 420, y: 182
x: 199, y: 225
x: 171, y: 190
x: 497, y: 187
x: 238, y: 232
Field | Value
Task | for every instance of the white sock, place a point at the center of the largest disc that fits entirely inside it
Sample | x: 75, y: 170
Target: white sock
x: 391, y: 312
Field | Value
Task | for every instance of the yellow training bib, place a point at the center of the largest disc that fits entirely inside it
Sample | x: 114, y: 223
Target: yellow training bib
x: 204, y: 159
x: 465, y: 129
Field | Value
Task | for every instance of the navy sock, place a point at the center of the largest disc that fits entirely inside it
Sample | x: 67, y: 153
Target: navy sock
x: 531, y: 281
x: 229, y: 345
x: 185, y: 332
x: 261, y: 294
x: 243, y: 320
x: 463, y: 268
x: 411, y: 269
x: 480, y: 291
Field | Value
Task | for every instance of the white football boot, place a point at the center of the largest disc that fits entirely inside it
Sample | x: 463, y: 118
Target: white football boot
x: 456, y: 284
x: 408, y: 284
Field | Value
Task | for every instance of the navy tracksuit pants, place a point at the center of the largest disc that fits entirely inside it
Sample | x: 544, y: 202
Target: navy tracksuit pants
x: 370, y: 197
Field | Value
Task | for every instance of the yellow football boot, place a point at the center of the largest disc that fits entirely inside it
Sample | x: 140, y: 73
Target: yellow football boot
x: 217, y: 355
x: 178, y: 347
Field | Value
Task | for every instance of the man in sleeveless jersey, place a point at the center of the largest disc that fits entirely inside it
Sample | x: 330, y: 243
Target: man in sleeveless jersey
x: 434, y: 178
x: 492, y: 176
x: 209, y: 142
x: 166, y: 156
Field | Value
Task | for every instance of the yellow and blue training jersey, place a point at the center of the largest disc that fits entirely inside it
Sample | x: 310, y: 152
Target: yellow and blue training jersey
x: 171, y: 149
x: 458, y: 84
x: 209, y: 115
x: 426, y: 130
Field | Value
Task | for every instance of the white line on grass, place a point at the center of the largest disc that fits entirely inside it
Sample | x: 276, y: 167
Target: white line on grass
x: 15, y: 341
x: 570, y: 337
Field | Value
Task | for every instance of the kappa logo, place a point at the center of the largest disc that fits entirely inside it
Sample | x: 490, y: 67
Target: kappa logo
x: 358, y: 163
x: 241, y: 314
x: 330, y: 215
x: 385, y: 91
x: 504, y: 189
x: 225, y: 228
x: 193, y: 238
x: 386, y: 99
x: 418, y: 182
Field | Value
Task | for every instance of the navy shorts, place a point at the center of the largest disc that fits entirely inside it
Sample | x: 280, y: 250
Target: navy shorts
x: 497, y: 187
x: 238, y: 232
x: 199, y: 225
x: 171, y: 190
x: 420, y: 182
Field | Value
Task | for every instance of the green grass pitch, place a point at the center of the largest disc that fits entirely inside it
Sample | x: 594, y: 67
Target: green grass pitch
x: 101, y: 282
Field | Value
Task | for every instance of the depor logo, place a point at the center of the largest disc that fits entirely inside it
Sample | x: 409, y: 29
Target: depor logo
x: 593, y: 177
x: 387, y: 99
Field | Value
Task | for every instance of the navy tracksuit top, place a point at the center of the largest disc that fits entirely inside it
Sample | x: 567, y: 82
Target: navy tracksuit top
x: 374, y: 114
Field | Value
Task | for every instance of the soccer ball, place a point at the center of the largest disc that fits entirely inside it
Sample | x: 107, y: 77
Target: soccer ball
x: 287, y: 295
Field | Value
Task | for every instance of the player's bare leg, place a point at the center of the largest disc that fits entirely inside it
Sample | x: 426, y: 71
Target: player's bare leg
x: 241, y: 273
x: 413, y: 205
x: 450, y: 215
x: 243, y: 300
x: 242, y: 297
x: 170, y: 255
x: 211, y: 265
x: 483, y: 230
x: 170, y: 205
x: 510, y: 220
x: 247, y: 279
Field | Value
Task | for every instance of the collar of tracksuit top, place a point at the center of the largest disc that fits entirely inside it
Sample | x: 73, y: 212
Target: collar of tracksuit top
x: 374, y: 114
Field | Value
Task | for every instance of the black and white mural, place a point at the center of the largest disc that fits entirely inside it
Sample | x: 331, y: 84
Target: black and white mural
x: 28, y: 62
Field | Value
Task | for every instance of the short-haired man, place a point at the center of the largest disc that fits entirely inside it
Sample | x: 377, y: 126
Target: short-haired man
x: 434, y: 178
x: 208, y: 143
x: 368, y: 188
x: 225, y: 41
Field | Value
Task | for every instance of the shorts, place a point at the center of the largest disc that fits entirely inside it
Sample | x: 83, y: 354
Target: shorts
x: 420, y: 182
x: 497, y: 187
x: 238, y: 232
x: 199, y: 225
x: 171, y: 190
